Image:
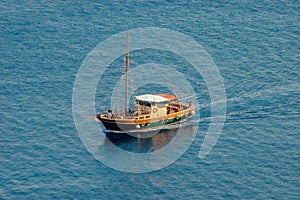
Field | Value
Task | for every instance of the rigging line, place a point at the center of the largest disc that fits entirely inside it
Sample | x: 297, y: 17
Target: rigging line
x: 120, y: 87
x: 132, y: 85
x: 126, y: 72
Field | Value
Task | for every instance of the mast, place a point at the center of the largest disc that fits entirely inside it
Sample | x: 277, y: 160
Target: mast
x: 126, y: 73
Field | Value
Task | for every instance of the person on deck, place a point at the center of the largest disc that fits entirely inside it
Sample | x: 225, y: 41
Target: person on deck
x: 109, y: 113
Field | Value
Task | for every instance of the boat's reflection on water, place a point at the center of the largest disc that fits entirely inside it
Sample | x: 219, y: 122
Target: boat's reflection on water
x: 142, y: 142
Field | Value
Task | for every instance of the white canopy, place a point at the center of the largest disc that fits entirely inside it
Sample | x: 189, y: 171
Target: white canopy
x: 152, y: 98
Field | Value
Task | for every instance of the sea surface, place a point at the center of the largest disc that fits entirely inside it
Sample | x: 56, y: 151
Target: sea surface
x: 254, y: 44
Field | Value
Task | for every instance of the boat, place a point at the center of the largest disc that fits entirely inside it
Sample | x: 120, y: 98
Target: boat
x: 151, y: 111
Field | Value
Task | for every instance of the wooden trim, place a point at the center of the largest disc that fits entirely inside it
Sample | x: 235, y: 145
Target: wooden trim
x: 149, y: 120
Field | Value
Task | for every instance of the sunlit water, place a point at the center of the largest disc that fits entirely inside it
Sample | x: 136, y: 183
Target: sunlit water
x: 254, y: 44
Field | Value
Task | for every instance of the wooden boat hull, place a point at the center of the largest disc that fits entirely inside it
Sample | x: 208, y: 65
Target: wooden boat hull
x: 124, y: 125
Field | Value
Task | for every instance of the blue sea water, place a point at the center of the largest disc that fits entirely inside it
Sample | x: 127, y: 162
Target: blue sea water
x: 256, y: 46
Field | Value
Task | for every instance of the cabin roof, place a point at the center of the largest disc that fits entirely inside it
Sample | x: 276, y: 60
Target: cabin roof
x: 156, y: 97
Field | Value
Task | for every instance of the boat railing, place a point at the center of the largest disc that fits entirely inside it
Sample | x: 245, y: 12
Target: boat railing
x: 117, y: 115
x: 141, y: 114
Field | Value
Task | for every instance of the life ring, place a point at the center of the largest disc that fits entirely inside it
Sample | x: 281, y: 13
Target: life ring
x: 155, y: 110
x: 143, y: 124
